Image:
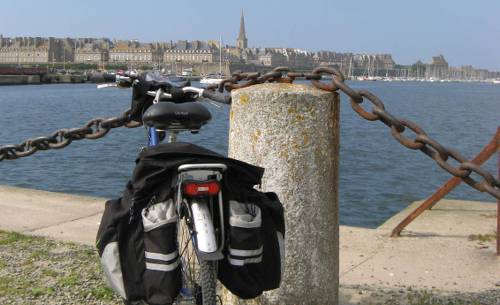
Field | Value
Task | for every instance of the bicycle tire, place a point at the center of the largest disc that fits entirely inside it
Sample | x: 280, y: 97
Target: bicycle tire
x: 208, y: 282
x: 199, y: 277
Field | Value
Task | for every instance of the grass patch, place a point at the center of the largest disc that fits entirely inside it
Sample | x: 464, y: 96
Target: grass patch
x: 89, y: 252
x: 103, y: 293
x: 39, y: 291
x: 13, y: 286
x: 69, y: 280
x: 7, y: 238
x: 5, y: 285
x: 38, y: 254
x: 37, y: 270
x: 482, y: 237
x: 49, y: 272
x: 427, y: 298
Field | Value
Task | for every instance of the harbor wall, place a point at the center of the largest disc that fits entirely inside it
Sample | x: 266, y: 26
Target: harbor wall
x: 19, y: 79
x: 40, y: 79
x: 63, y: 79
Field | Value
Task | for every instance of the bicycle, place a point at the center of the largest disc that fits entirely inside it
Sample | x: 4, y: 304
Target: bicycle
x: 198, y: 196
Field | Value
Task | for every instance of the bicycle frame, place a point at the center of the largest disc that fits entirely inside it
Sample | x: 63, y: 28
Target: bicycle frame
x: 153, y: 137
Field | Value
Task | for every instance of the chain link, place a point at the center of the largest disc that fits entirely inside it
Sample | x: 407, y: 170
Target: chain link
x: 93, y: 129
x: 430, y: 147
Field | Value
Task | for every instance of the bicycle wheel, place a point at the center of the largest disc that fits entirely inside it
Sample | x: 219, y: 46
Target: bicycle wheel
x: 199, y: 277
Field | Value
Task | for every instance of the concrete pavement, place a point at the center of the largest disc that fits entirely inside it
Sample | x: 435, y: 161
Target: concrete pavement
x: 437, y: 251
x: 440, y: 249
x: 59, y: 216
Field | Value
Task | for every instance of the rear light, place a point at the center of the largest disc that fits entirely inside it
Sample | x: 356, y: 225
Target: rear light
x: 195, y: 189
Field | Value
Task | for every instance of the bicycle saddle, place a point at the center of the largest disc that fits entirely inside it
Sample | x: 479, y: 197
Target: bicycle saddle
x: 172, y: 116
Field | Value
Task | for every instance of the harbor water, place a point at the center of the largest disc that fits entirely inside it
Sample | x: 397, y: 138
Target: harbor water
x: 378, y: 176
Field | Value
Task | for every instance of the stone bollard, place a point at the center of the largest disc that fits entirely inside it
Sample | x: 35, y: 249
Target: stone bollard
x: 292, y: 131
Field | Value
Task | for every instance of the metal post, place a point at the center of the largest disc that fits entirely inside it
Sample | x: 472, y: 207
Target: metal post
x: 488, y: 151
x: 292, y: 131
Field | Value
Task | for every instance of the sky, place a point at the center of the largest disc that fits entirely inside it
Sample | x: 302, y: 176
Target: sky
x: 465, y: 32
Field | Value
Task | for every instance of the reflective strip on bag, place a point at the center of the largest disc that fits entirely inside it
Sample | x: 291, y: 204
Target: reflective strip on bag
x: 110, y: 261
x: 162, y: 267
x: 281, y: 243
x: 242, y: 262
x: 161, y: 256
x: 245, y: 253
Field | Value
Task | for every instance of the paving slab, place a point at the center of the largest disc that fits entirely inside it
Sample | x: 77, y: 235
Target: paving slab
x: 81, y: 231
x: 436, y: 251
x: 448, y: 218
x: 26, y: 210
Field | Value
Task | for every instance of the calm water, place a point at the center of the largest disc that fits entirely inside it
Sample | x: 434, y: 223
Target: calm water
x: 378, y: 176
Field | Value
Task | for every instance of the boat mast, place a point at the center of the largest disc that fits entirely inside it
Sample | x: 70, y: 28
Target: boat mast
x: 220, y: 55
x: 350, y: 69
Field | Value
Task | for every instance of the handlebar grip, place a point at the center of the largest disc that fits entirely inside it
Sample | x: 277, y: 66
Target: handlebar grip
x: 217, y: 97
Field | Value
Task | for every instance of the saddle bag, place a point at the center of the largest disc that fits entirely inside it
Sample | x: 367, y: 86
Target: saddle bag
x: 137, y: 238
x: 254, y: 260
x: 162, y: 277
x: 139, y: 255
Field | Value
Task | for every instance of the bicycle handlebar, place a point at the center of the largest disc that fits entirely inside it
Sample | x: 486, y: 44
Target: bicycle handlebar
x: 199, y: 92
x: 130, y: 78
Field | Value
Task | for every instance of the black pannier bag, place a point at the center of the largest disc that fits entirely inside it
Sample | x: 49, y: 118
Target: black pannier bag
x: 108, y: 245
x: 255, y: 255
x: 162, y: 277
x: 137, y: 242
x: 120, y: 247
x: 135, y: 252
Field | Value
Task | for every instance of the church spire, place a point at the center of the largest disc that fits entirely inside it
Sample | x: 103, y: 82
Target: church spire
x: 242, y: 40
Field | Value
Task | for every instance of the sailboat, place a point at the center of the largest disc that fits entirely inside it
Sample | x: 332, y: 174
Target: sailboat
x: 215, y: 79
x: 349, y: 73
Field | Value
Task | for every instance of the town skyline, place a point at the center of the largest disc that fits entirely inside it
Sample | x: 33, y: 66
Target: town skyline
x: 226, y: 43
x: 200, y: 57
x: 408, y: 31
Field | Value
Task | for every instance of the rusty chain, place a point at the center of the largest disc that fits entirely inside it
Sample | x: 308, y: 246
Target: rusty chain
x: 93, y: 129
x: 430, y: 147
x: 98, y: 128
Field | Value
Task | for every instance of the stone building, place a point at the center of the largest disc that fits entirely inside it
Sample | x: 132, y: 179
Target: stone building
x: 92, y: 51
x: 35, y: 50
x: 469, y: 73
x: 268, y: 57
x: 136, y: 53
x: 191, y: 52
x: 357, y: 64
x: 385, y: 61
x: 297, y: 58
x: 438, y: 68
x: 330, y: 58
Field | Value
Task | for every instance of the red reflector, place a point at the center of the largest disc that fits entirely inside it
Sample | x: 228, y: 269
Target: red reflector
x: 210, y: 188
